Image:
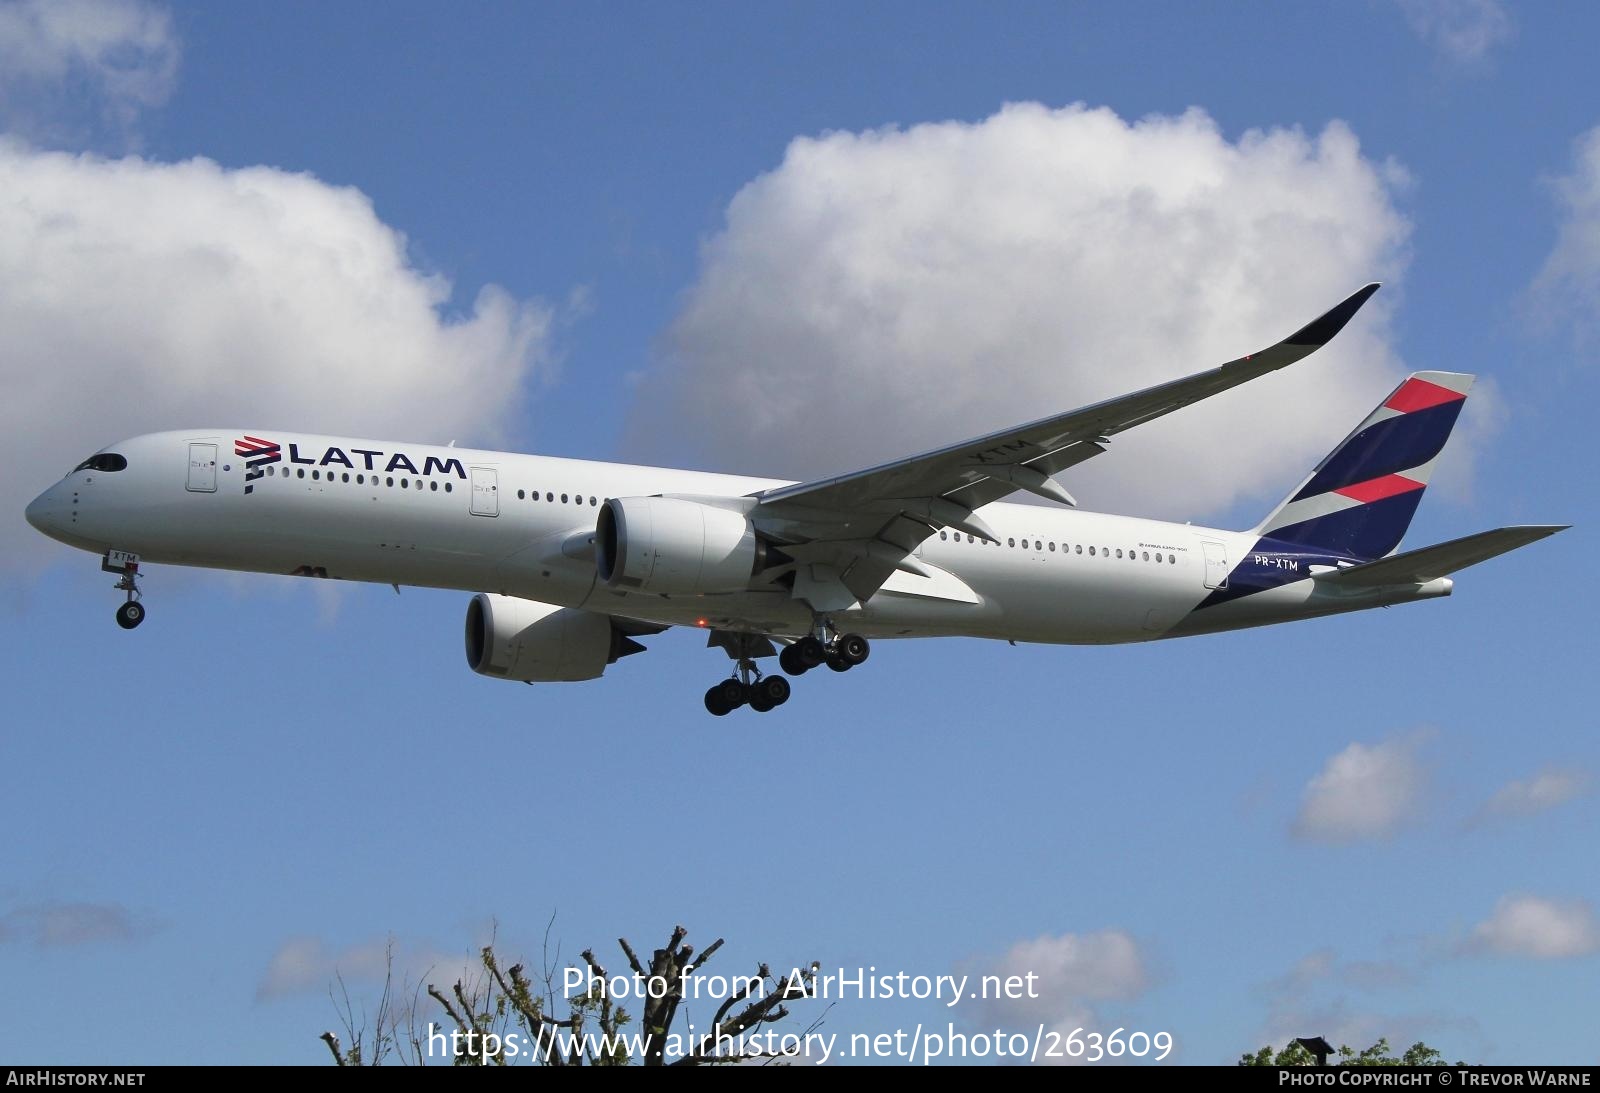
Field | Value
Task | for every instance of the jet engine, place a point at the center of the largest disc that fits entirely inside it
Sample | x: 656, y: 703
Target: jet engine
x: 669, y: 546
x: 512, y: 638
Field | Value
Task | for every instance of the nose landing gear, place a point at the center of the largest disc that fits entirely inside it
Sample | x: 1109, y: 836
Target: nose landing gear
x: 126, y: 565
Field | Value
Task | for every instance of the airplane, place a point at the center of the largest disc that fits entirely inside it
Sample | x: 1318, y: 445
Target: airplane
x: 571, y: 561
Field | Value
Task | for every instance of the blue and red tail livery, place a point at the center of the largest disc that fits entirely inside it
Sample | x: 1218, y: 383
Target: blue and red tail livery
x: 1360, y: 499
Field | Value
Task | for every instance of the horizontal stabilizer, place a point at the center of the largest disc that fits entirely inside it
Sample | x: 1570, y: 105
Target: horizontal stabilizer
x: 1441, y: 559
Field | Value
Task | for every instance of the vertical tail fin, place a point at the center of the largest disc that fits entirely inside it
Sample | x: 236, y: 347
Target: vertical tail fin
x: 1361, y: 498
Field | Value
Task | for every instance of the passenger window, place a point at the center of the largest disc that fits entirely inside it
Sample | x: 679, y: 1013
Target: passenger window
x: 592, y: 501
x: 1078, y: 549
x: 434, y: 486
x: 1146, y: 556
x: 388, y: 481
x: 1037, y: 545
x: 563, y: 499
x: 448, y: 487
x: 345, y: 477
x: 521, y: 495
x: 1091, y: 552
x: 1052, y: 548
x: 301, y: 473
x: 548, y: 496
x: 943, y: 535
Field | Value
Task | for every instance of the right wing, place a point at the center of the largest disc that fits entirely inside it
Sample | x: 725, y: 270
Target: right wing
x: 863, y: 526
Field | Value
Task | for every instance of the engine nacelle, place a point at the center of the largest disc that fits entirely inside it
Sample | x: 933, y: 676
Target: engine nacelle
x: 512, y: 638
x: 668, y: 546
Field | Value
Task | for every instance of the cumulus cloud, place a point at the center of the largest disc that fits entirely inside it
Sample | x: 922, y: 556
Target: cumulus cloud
x: 117, y: 56
x: 1567, y: 287
x: 1070, y: 971
x: 137, y: 296
x: 1367, y: 791
x: 1545, y: 929
x: 1462, y: 31
x: 63, y: 923
x: 1526, y: 796
x: 885, y: 292
x: 308, y: 964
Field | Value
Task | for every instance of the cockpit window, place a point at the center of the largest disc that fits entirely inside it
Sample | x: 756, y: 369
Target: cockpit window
x: 105, y: 461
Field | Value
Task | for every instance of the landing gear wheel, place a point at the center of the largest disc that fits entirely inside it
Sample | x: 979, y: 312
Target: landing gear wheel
x: 809, y: 653
x: 130, y: 614
x: 791, y: 661
x: 731, y: 694
x: 714, y: 704
x: 853, y: 649
x: 768, y: 693
x: 838, y: 663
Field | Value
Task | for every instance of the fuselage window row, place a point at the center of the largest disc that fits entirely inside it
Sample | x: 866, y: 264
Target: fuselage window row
x: 575, y: 499
x: 361, y: 479
x: 1067, y: 548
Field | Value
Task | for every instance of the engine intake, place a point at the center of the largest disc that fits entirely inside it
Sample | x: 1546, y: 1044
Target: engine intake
x: 531, y: 642
x: 667, y: 546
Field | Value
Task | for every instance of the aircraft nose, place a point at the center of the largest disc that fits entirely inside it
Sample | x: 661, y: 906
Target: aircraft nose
x: 41, y: 511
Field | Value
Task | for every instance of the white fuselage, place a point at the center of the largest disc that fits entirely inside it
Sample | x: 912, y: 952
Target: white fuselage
x: 521, y: 525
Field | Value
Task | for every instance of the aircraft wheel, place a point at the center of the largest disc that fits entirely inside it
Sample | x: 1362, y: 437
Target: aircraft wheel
x: 853, y: 649
x: 714, y: 704
x: 772, y: 690
x: 730, y: 693
x: 792, y: 661
x: 838, y: 663
x: 130, y: 614
x: 809, y: 652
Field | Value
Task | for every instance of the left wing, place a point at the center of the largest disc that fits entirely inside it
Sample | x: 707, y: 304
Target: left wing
x: 854, y: 531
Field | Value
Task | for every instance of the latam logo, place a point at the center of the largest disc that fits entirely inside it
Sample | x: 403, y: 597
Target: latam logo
x: 259, y: 454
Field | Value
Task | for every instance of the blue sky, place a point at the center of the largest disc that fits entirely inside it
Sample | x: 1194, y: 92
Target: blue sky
x: 629, y: 232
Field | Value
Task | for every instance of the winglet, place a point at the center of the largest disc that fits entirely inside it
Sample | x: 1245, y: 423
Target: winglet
x: 1321, y: 331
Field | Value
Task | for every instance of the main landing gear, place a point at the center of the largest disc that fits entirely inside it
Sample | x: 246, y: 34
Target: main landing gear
x: 126, y: 565
x: 841, y: 654
x: 748, y: 688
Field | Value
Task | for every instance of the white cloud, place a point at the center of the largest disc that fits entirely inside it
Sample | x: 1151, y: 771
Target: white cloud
x: 307, y: 964
x: 1462, y: 31
x: 121, y: 53
x: 1567, y: 288
x: 1525, y: 925
x: 1367, y: 791
x: 55, y: 923
x: 1070, y: 971
x: 137, y: 296
x: 884, y: 292
x: 1545, y: 790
